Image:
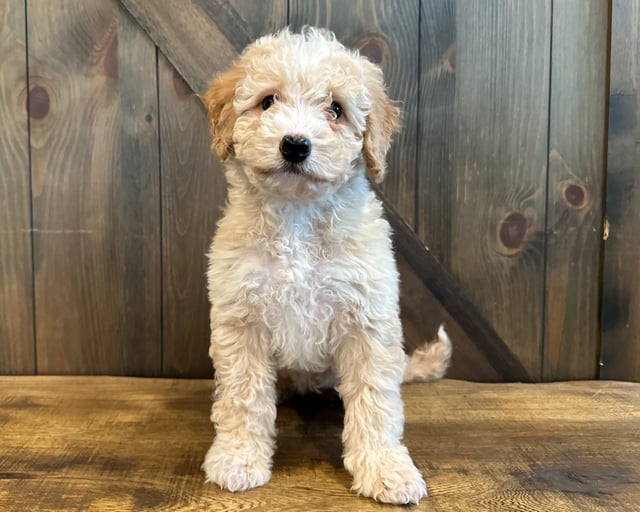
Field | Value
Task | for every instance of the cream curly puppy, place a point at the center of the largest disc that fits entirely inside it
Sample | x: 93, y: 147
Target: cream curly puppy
x: 302, y: 280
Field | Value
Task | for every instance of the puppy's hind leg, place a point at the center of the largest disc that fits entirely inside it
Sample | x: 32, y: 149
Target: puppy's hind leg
x: 244, y: 410
x: 370, y: 365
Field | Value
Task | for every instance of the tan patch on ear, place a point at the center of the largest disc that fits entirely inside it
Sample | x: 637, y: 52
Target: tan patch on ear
x: 219, y: 102
x: 382, y: 122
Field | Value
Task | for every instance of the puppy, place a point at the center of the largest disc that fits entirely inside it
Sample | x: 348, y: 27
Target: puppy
x: 302, y: 279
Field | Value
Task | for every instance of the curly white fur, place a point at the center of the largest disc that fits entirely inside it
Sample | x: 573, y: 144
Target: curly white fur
x: 302, y: 278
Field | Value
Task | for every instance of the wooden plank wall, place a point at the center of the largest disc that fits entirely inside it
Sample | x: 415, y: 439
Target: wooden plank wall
x: 575, y: 185
x: 498, y: 165
x: 499, y: 168
x: 434, y: 173
x: 497, y: 110
x: 192, y: 188
x: 95, y: 197
x: 621, y: 294
x: 17, y: 353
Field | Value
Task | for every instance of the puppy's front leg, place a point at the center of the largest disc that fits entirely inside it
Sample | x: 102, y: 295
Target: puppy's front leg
x: 244, y: 409
x: 370, y: 370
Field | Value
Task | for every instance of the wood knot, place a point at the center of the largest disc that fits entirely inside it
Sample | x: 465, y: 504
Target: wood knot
x: 182, y: 89
x: 515, y: 231
x: 573, y: 195
x: 38, y: 102
x: 148, y: 118
x: 374, y: 47
x: 512, y: 230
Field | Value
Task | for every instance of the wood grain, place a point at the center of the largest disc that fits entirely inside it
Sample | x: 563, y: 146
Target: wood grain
x: 95, y: 190
x: 436, y: 127
x: 621, y: 282
x: 387, y: 33
x: 120, y: 444
x: 16, y: 278
x: 499, y: 166
x: 577, y: 153
x: 194, y: 190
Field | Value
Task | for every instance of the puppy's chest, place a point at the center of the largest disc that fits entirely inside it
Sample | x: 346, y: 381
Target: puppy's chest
x: 297, y: 290
x: 298, y: 282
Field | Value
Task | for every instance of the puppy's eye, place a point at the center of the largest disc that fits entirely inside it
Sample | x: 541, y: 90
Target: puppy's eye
x: 268, y: 101
x: 336, y: 110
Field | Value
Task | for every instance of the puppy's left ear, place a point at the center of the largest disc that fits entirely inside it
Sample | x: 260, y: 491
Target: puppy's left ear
x: 219, y: 102
x: 382, y: 122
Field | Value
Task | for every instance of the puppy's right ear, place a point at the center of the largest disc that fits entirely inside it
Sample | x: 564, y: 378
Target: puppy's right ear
x: 219, y: 102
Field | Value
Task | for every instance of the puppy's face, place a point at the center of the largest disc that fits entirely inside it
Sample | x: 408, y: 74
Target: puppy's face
x: 301, y: 113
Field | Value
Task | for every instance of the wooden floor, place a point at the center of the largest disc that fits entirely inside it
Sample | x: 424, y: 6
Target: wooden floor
x: 123, y: 444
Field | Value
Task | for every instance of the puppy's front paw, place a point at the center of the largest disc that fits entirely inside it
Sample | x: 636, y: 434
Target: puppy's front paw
x: 235, y: 471
x: 390, y: 477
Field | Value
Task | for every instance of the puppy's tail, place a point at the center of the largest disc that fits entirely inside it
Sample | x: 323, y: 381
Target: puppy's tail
x: 430, y: 361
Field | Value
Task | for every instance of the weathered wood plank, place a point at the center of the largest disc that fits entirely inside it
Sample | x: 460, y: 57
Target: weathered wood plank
x: 138, y: 198
x: 436, y: 113
x: 577, y: 155
x: 123, y: 444
x: 197, y: 36
x: 194, y: 189
x: 95, y: 190
x: 621, y: 282
x: 499, y: 165
x: 16, y: 278
x: 387, y: 33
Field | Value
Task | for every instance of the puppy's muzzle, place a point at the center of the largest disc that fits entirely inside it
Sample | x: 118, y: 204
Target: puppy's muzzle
x: 295, y: 148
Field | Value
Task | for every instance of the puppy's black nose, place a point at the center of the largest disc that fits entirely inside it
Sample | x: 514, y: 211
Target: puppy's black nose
x: 295, y: 148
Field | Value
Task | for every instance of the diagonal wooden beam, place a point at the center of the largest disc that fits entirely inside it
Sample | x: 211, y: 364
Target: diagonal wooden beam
x: 187, y: 36
x: 183, y: 34
x: 230, y: 22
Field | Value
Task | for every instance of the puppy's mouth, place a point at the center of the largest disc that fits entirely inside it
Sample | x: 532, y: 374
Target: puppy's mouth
x: 299, y: 169
x: 290, y: 168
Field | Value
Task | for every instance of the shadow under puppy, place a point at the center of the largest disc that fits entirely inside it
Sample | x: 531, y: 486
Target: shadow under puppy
x: 302, y: 279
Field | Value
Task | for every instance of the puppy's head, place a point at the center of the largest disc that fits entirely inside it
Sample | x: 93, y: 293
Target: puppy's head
x: 302, y: 114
